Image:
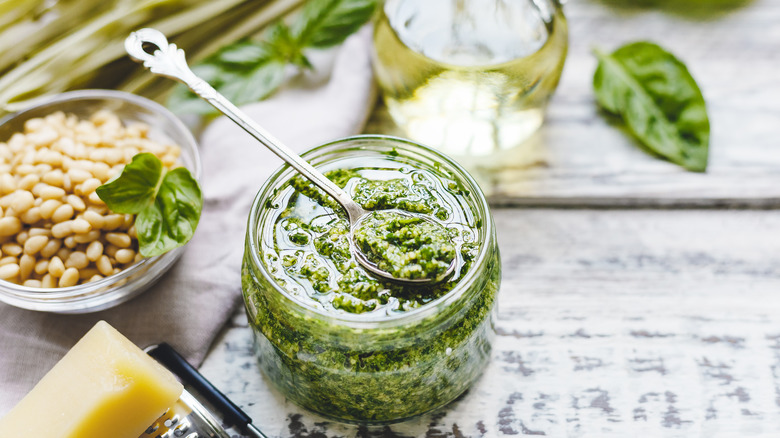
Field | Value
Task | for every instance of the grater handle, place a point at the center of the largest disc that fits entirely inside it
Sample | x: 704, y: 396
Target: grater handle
x: 171, y: 359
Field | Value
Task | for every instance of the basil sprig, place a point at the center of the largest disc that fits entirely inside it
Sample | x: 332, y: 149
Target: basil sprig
x: 248, y: 71
x: 658, y: 99
x: 168, y: 203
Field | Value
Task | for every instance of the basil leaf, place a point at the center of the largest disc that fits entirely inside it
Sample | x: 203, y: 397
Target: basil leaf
x: 256, y: 86
x: 168, y: 204
x: 244, y: 53
x: 171, y: 220
x: 325, y: 23
x: 659, y: 101
x: 135, y: 188
x: 248, y: 71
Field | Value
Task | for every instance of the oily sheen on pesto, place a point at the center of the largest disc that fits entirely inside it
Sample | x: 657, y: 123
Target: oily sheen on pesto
x: 335, y: 339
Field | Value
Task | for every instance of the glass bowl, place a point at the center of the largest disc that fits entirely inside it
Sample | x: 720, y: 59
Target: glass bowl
x: 115, y: 289
x: 371, y: 368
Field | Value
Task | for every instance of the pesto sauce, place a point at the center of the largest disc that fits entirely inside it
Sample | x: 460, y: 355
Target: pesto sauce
x: 405, y: 246
x: 311, y: 257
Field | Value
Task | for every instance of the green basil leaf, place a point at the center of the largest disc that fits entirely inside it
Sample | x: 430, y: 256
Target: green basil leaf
x: 134, y: 189
x: 248, y: 71
x: 244, y: 53
x: 659, y: 101
x: 256, y: 86
x: 325, y: 23
x: 171, y: 220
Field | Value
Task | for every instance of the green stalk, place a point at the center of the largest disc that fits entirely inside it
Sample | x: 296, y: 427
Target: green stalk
x: 95, y: 44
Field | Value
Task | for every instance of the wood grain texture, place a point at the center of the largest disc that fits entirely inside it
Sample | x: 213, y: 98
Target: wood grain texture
x: 582, y: 157
x: 612, y: 323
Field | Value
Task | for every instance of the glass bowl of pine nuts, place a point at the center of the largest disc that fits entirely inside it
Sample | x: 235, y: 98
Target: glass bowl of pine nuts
x: 61, y: 249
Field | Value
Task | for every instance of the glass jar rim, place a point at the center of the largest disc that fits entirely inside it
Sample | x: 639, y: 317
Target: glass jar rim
x: 372, y: 321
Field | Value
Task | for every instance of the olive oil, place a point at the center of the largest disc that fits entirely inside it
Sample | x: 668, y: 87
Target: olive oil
x: 469, y: 77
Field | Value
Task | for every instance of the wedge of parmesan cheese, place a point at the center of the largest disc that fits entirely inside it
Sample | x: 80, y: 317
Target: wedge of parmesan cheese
x: 105, y: 386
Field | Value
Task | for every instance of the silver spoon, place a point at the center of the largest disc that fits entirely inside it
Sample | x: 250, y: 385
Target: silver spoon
x: 169, y: 61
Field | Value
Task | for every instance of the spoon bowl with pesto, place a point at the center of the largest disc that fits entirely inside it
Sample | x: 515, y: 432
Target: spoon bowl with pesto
x: 396, y: 245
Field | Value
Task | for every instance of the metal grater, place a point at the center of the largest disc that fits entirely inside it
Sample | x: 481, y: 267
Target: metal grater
x: 213, y: 416
x: 188, y: 418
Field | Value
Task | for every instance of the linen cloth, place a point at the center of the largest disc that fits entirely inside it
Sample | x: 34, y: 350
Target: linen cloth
x: 192, y: 302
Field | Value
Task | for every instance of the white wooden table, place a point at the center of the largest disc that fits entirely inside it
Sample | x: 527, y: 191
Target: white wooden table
x: 637, y: 300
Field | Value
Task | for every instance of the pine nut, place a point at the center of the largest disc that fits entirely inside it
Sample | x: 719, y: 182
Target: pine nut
x: 23, y: 201
x: 80, y: 226
x: 104, y: 265
x: 87, y: 237
x: 9, y: 226
x: 96, y: 220
x: 61, y: 229
x: 12, y: 249
x: 51, y: 192
x: 26, y: 266
x: 88, y: 273
x: 89, y: 186
x: 94, y: 251
x: 55, y: 178
x: 62, y: 213
x: 51, y: 248
x: 95, y: 199
x: 9, y: 271
x: 69, y: 278
x: 22, y: 237
x: 56, y: 267
x: 77, y: 259
x: 63, y: 253
x: 29, y: 181
x: 31, y: 216
x: 78, y: 176
x: 124, y: 255
x: 121, y: 240
x: 48, y: 207
x: 110, y: 250
x: 41, y: 267
x: 76, y: 202
x: 32, y: 283
x: 7, y: 184
x: 34, y: 244
x: 48, y: 281
x: 113, y: 221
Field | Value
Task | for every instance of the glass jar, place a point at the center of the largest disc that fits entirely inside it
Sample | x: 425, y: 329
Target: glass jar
x: 470, y: 78
x: 371, y: 368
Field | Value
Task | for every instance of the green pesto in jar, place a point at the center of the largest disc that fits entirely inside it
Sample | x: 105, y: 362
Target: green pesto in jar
x: 342, y: 343
x: 405, y: 245
x: 311, y: 255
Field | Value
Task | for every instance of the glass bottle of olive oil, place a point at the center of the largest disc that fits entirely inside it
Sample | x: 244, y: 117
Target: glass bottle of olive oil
x: 469, y: 77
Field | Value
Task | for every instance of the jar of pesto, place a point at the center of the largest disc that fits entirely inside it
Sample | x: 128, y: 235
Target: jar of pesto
x: 340, y: 342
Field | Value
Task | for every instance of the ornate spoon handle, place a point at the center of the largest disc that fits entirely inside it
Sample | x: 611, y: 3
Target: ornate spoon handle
x: 168, y: 60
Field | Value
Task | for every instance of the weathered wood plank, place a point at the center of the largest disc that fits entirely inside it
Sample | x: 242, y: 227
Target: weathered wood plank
x: 580, y: 157
x: 612, y: 323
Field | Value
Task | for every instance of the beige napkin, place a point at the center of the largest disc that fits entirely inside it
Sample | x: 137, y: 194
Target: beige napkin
x: 192, y: 302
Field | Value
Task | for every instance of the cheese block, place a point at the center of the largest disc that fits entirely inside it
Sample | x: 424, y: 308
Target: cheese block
x: 105, y: 386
